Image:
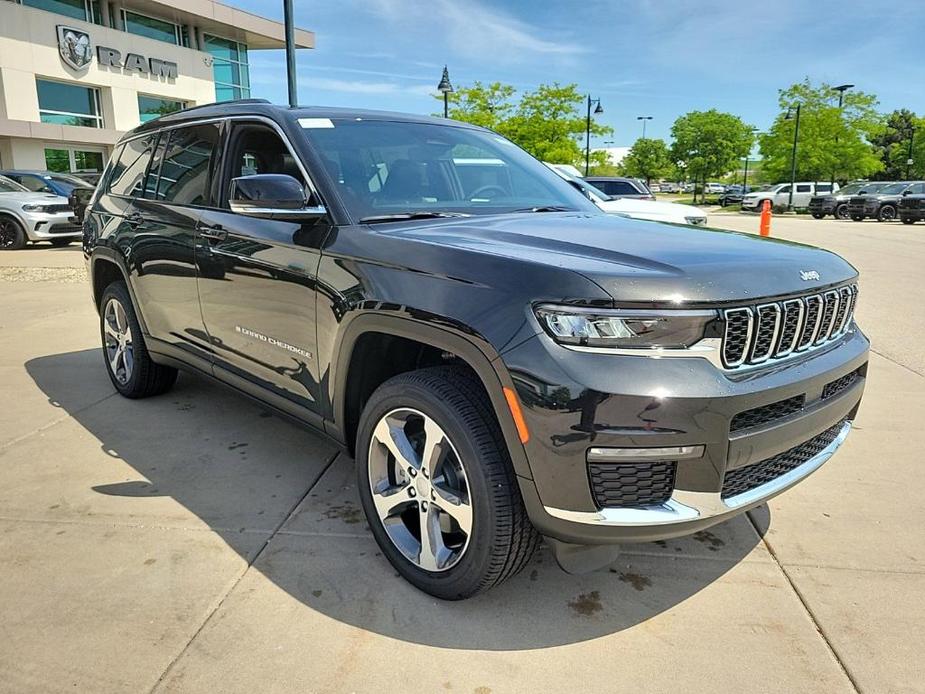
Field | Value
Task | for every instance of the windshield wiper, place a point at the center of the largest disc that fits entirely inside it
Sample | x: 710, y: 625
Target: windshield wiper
x: 547, y: 208
x: 400, y: 216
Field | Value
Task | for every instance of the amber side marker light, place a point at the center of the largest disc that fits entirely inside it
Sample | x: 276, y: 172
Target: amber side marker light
x: 513, y: 405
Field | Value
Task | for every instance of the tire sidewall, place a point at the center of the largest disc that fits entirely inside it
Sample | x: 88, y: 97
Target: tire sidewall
x: 118, y: 291
x: 457, y: 581
x: 20, y: 241
x: 884, y: 218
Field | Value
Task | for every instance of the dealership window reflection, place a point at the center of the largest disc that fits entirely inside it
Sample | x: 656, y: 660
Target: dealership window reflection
x: 154, y: 28
x: 86, y: 10
x: 229, y: 68
x: 69, y: 104
x: 151, y: 107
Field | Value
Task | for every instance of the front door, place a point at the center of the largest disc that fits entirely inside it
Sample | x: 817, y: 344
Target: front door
x: 257, y: 282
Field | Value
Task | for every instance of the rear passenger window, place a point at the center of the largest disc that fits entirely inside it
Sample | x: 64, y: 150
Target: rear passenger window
x: 185, y: 172
x: 806, y: 188
x: 129, y: 172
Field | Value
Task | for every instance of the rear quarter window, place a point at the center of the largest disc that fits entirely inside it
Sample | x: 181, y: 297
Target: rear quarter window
x: 129, y: 172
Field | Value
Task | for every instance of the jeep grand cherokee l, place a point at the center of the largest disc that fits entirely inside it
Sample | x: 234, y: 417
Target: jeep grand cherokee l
x: 836, y: 204
x: 503, y: 360
x: 883, y: 204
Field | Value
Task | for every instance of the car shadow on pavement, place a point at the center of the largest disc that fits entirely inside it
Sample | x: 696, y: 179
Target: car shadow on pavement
x: 201, y: 455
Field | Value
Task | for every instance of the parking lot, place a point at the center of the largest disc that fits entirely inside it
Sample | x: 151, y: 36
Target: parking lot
x: 194, y: 542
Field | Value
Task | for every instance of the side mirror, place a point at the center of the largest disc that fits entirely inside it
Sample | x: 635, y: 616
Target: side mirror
x: 906, y: 192
x: 272, y: 196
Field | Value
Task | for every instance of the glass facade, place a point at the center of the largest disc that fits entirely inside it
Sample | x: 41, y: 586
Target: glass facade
x: 154, y: 28
x: 151, y: 107
x: 229, y: 68
x: 70, y: 160
x: 69, y: 104
x: 87, y: 10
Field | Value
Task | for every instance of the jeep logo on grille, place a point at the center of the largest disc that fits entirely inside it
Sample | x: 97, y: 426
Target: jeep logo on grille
x: 807, y: 275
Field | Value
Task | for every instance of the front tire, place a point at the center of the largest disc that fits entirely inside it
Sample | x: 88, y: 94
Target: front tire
x: 12, y: 235
x: 857, y: 218
x: 818, y: 215
x: 437, y: 485
x: 907, y: 220
x: 61, y: 243
x: 887, y: 213
x: 841, y: 212
x: 128, y: 363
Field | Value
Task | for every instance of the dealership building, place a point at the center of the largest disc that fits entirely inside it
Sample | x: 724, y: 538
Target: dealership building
x: 76, y: 74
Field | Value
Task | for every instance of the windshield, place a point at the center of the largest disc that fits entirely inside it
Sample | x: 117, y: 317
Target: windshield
x: 392, y: 168
x: 853, y: 188
x: 9, y: 186
x: 893, y: 189
x: 67, y: 183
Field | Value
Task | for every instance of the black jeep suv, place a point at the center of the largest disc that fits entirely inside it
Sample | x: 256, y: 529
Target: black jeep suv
x: 504, y: 361
x: 912, y: 208
x: 884, y: 204
x: 836, y: 204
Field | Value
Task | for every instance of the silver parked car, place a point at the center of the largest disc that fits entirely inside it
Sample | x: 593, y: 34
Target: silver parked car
x: 27, y: 216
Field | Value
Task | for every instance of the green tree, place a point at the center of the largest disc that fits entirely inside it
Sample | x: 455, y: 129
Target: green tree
x: 832, y: 142
x: 709, y: 143
x: 891, y: 144
x: 489, y: 106
x: 549, y: 122
x: 647, y: 159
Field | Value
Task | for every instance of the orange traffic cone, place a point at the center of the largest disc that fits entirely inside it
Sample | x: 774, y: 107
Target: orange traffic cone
x: 765, y: 226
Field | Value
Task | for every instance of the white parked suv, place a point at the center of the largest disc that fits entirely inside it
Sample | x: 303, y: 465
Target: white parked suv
x: 780, y: 195
x: 28, y: 216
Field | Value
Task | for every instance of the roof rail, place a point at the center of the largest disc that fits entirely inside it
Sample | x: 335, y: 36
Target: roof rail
x: 223, y: 103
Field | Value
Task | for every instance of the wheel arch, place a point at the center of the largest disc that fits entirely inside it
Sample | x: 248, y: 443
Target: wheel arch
x: 106, y: 267
x: 349, y: 387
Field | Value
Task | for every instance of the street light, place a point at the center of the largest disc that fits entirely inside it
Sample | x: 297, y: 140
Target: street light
x: 910, y: 161
x: 445, y: 88
x: 745, y: 175
x: 598, y: 110
x: 793, y: 154
x: 841, y: 89
x: 289, y: 28
x: 644, y: 119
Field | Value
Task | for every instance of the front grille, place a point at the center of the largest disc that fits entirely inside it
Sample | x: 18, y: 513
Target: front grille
x: 839, y: 384
x: 751, y: 476
x: 55, y: 209
x: 65, y: 229
x: 767, y: 413
x: 753, y: 335
x: 857, y: 202
x: 911, y: 203
x: 621, y: 485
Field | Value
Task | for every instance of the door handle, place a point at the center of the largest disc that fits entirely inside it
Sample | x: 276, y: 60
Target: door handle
x: 134, y: 220
x: 212, y: 232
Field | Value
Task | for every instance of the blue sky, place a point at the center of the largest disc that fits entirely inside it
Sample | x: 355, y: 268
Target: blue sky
x: 641, y: 57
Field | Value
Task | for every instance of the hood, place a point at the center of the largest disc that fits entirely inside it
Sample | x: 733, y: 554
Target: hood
x: 30, y: 197
x: 651, y: 209
x: 639, y: 261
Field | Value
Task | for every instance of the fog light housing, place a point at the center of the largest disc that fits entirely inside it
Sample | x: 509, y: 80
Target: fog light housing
x: 600, y: 454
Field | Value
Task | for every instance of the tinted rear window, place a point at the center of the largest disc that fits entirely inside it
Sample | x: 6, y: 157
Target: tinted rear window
x: 184, y: 172
x: 129, y: 172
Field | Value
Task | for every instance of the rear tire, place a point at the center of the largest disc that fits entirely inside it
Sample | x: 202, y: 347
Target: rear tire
x: 887, y: 213
x: 841, y: 212
x: 907, y: 220
x: 442, y: 409
x: 818, y: 215
x: 128, y: 363
x: 61, y: 243
x: 857, y: 218
x: 12, y: 235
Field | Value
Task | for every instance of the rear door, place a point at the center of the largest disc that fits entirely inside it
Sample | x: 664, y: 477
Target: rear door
x: 257, y: 281
x: 178, y: 188
x: 802, y: 194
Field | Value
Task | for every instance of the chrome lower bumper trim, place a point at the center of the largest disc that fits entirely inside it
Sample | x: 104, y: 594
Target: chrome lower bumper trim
x: 688, y: 506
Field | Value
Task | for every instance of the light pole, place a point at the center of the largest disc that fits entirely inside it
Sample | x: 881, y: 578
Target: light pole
x: 289, y: 24
x: 745, y: 175
x: 910, y: 161
x: 793, y: 154
x: 445, y: 88
x: 644, y: 119
x: 598, y: 110
x: 841, y: 89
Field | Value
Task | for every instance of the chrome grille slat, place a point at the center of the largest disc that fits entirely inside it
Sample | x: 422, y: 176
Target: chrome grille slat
x: 764, y: 333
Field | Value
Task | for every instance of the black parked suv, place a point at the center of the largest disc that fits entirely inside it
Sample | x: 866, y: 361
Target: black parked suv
x: 836, y: 204
x: 504, y: 361
x: 619, y: 187
x: 884, y: 204
x: 912, y: 208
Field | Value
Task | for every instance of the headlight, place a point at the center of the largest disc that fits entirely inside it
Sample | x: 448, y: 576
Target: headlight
x: 35, y: 208
x: 624, y: 328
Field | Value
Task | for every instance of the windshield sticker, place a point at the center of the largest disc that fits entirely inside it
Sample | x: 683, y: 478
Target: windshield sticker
x: 316, y: 123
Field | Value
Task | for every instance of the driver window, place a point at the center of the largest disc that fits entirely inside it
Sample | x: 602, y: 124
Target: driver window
x: 258, y: 149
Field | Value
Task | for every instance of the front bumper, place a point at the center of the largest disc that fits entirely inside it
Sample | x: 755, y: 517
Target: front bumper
x: 644, y: 402
x: 42, y: 227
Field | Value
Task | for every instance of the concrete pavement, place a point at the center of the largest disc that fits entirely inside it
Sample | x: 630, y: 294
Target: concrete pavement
x: 195, y: 543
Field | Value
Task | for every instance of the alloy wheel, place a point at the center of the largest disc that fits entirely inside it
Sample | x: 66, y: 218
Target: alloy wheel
x: 120, y: 352
x: 8, y: 233
x: 420, y: 489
